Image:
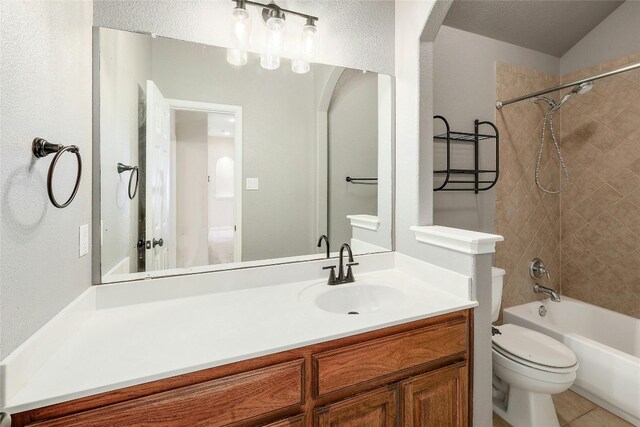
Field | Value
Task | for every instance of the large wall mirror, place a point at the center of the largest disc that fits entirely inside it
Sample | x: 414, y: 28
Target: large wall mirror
x: 205, y: 165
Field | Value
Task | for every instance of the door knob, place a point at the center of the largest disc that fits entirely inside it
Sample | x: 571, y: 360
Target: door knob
x: 157, y: 243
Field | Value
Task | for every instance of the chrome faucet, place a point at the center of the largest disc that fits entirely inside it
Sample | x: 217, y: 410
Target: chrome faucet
x: 342, y: 278
x: 555, y: 296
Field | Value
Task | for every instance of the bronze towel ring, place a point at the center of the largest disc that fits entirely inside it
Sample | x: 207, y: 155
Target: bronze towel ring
x: 134, y: 169
x: 42, y: 148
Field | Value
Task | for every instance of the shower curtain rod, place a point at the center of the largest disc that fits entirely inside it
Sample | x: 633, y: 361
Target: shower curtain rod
x: 501, y: 104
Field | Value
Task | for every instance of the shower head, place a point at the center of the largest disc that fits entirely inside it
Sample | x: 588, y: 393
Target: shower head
x: 580, y: 89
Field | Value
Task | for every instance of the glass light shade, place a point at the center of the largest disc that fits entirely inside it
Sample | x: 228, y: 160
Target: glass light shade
x: 300, y: 66
x: 270, y: 59
x: 240, y: 30
x: 309, y: 44
x: 307, y: 50
x: 237, y: 56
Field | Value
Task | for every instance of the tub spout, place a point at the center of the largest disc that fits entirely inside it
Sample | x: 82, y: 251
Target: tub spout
x: 555, y: 296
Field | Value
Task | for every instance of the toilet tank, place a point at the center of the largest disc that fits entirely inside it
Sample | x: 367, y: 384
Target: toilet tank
x: 497, y: 281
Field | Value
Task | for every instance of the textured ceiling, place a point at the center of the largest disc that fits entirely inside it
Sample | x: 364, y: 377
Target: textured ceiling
x: 551, y: 27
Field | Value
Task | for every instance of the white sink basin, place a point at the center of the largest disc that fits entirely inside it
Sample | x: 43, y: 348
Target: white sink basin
x: 356, y: 298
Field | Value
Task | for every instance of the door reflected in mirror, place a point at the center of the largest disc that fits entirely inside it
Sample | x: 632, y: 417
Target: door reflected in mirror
x: 238, y: 166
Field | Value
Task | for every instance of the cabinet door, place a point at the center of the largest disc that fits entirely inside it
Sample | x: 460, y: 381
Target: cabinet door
x: 436, y: 399
x: 378, y: 408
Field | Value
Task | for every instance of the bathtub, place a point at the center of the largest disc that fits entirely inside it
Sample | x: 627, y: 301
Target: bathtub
x: 606, y: 343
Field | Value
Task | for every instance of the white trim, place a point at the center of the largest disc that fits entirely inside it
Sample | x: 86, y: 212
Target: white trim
x: 226, y: 227
x: 236, y: 110
x: 369, y: 222
x: 465, y: 241
x: 122, y: 267
x: 322, y: 151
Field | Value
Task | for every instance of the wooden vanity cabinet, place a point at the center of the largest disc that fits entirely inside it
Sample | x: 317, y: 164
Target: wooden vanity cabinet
x: 416, y: 374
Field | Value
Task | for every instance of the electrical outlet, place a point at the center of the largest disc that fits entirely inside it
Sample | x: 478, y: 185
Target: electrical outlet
x: 252, y: 183
x: 83, y: 243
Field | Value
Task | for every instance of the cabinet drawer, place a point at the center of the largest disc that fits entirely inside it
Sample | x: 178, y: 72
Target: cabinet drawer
x: 219, y: 402
x: 337, y: 369
x: 298, y: 421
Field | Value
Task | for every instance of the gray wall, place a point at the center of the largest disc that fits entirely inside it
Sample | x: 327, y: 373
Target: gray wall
x: 220, y: 210
x: 278, y: 140
x: 616, y: 36
x: 464, y: 90
x: 192, y: 161
x: 45, y: 82
x: 125, y: 67
x: 353, y: 151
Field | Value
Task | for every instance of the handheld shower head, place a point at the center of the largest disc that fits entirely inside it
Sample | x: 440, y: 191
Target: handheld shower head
x: 583, y: 88
x: 580, y: 89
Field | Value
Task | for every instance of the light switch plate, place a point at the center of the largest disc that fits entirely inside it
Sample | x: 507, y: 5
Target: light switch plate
x: 83, y: 243
x: 252, y: 183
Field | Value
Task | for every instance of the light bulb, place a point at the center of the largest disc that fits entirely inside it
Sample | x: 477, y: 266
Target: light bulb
x: 270, y: 59
x: 308, y: 47
x: 240, y: 29
x: 300, y: 66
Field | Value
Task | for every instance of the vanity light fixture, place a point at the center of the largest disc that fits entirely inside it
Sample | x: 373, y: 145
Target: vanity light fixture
x: 275, y: 21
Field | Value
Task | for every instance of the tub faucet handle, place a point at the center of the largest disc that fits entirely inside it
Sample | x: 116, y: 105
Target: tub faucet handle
x: 537, y: 269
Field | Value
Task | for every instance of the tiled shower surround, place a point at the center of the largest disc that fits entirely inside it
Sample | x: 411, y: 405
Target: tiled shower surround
x: 528, y: 219
x: 589, y: 235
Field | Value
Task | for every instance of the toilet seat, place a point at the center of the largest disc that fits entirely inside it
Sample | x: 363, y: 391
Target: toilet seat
x: 533, y: 349
x: 533, y: 365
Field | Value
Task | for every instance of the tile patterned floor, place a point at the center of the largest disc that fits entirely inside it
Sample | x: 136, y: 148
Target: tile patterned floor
x: 575, y: 411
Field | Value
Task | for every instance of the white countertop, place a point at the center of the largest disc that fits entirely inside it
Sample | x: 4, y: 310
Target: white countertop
x: 118, y: 346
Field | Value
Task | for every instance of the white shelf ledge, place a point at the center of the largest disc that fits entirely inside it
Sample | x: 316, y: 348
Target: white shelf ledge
x: 369, y: 222
x: 465, y: 241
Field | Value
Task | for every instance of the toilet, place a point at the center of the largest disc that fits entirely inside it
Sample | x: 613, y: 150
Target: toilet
x: 528, y: 367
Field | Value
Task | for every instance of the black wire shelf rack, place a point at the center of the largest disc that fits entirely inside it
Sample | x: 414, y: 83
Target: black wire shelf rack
x: 454, y: 178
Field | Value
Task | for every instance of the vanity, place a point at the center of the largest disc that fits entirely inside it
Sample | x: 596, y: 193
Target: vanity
x: 278, y: 354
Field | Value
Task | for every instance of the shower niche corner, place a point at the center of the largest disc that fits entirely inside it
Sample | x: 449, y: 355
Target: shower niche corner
x: 471, y: 178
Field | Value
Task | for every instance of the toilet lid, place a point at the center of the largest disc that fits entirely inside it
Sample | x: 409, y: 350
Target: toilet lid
x: 534, y: 347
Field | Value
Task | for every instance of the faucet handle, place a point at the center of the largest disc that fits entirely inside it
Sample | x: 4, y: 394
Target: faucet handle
x: 350, y: 277
x: 537, y: 269
x: 332, y: 276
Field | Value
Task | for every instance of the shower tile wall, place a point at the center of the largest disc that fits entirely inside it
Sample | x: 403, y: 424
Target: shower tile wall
x: 526, y: 217
x: 600, y: 244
